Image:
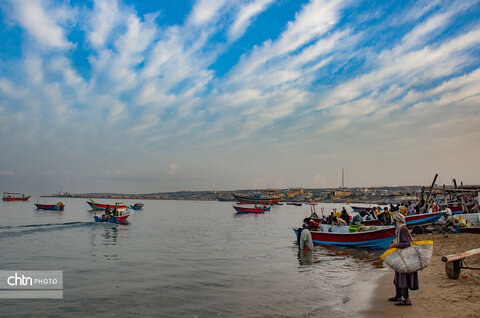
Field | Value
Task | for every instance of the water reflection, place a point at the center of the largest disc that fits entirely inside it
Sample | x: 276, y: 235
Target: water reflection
x: 361, y: 255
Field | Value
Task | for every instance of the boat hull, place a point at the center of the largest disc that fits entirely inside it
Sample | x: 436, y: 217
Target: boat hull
x: 422, y: 219
x: 136, y: 207
x: 52, y: 207
x: 377, y: 239
x: 359, y: 209
x: 242, y: 210
x: 115, y: 219
x: 257, y: 200
x: 102, y: 207
x: 16, y: 199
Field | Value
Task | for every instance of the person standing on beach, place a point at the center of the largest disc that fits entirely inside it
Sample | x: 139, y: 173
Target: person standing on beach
x: 403, y: 282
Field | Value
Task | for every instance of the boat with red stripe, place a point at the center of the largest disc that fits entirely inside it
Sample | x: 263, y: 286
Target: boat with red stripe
x: 378, y: 238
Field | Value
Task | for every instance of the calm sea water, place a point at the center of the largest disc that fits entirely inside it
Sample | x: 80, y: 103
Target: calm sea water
x: 181, y: 259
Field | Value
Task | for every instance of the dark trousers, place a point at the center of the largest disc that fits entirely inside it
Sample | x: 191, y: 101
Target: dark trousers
x: 401, y: 292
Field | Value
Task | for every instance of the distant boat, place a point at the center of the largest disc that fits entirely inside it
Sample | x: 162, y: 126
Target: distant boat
x: 100, y: 206
x: 359, y: 208
x: 294, y: 203
x: 137, y: 206
x: 114, y: 219
x: 8, y: 196
x: 267, y: 197
x: 242, y: 209
x: 59, y: 206
x: 379, y: 238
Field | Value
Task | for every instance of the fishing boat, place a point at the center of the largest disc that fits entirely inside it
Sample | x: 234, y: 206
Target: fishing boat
x: 267, y: 197
x: 457, y: 207
x: 415, y: 219
x: 9, y: 196
x: 137, y: 206
x: 471, y: 225
x: 294, y: 203
x: 100, y: 206
x: 243, y: 209
x: 59, y: 206
x: 114, y: 219
x: 378, y: 237
x: 359, y: 209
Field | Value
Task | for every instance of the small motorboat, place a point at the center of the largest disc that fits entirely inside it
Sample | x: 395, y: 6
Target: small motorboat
x: 114, y: 219
x: 59, y: 206
x: 256, y: 209
x: 137, y: 206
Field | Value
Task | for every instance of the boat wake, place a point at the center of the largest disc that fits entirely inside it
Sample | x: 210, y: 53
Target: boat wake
x: 21, y: 230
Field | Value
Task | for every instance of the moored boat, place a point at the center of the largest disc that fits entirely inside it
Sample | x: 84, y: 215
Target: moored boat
x: 100, y: 206
x: 9, y: 196
x: 267, y: 197
x: 379, y: 237
x: 59, y: 206
x: 243, y: 209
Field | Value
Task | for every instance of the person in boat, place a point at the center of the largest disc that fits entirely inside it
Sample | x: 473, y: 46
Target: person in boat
x: 384, y: 217
x: 410, y: 208
x: 403, y: 282
x: 313, y: 226
x: 345, y: 216
x: 357, y: 219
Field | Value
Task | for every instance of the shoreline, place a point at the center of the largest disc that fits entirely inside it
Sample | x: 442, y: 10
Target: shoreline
x: 438, y: 296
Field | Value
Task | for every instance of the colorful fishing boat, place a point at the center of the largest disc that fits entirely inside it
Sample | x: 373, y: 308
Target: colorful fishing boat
x: 100, y: 206
x: 415, y: 219
x: 114, y: 219
x: 379, y: 237
x: 137, y: 206
x: 359, y: 209
x: 9, y: 196
x: 243, y: 209
x: 472, y: 224
x: 267, y: 197
x: 457, y: 207
x: 59, y: 206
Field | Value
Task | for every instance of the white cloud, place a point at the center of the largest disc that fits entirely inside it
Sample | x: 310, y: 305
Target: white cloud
x: 43, y: 23
x: 205, y: 11
x: 106, y: 15
x: 244, y: 17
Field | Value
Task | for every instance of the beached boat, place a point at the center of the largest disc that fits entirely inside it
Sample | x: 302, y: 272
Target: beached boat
x: 267, y: 197
x: 415, y: 219
x: 100, y: 206
x: 59, y: 206
x: 471, y: 226
x: 456, y: 207
x: 243, y: 209
x: 8, y: 196
x: 114, y: 219
x: 137, y: 206
x: 380, y: 237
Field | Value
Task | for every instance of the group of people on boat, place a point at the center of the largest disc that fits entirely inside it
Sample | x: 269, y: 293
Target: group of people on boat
x: 109, y: 213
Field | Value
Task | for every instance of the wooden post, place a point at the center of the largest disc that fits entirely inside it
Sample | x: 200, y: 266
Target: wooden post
x: 430, y: 193
x: 459, y: 256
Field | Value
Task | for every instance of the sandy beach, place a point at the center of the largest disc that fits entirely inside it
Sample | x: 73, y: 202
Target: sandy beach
x: 439, y: 296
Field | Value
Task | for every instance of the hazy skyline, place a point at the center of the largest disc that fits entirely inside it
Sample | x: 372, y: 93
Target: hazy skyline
x: 154, y: 96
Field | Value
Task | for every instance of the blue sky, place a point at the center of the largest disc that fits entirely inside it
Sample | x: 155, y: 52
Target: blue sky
x: 146, y: 96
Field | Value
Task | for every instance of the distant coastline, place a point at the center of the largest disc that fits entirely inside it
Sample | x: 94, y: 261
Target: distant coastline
x: 369, y: 195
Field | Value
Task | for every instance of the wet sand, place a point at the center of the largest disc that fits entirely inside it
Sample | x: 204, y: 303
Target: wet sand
x: 438, y: 296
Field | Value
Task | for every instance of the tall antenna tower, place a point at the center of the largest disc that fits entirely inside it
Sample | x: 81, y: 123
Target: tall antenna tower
x: 343, y: 179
